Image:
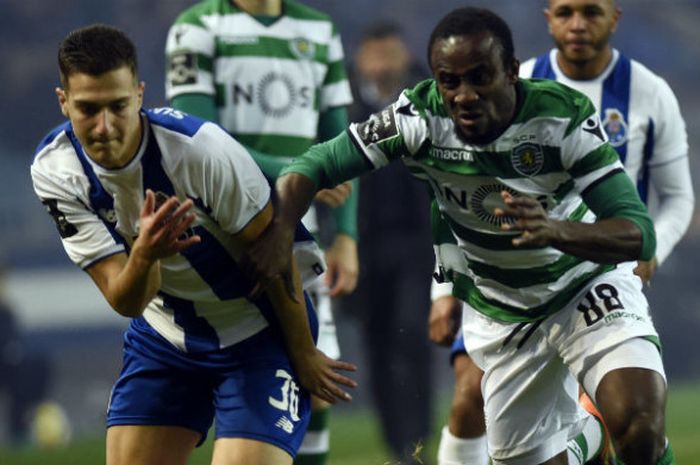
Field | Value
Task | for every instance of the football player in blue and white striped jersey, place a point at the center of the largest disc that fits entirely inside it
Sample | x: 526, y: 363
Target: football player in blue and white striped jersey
x: 157, y: 207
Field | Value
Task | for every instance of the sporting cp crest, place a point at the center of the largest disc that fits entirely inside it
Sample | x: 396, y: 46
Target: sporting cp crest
x: 527, y: 158
x: 302, y: 48
x: 615, y: 126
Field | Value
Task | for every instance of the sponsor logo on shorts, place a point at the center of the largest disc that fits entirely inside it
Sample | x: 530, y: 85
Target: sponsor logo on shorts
x: 285, y: 425
x: 616, y: 315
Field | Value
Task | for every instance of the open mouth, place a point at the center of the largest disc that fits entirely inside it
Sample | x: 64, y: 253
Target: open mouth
x: 468, y: 118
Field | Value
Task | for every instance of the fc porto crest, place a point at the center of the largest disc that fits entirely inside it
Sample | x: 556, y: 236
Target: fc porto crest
x: 527, y: 158
x: 615, y: 126
x: 302, y: 48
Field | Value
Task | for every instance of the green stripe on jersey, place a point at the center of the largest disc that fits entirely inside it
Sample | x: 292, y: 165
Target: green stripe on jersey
x: 466, y: 290
x: 335, y: 73
x: 274, y: 144
x: 601, y: 157
x: 268, y: 47
x: 496, y: 164
x: 525, y: 277
x: 545, y: 98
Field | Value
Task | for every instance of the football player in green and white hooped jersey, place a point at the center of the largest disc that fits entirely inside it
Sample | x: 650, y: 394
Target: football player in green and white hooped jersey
x: 643, y: 122
x: 272, y: 74
x: 547, y: 221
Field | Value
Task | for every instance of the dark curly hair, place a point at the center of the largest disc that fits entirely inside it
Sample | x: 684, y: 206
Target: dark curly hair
x: 471, y: 21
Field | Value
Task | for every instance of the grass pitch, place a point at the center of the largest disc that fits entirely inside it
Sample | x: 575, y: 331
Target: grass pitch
x: 356, y: 439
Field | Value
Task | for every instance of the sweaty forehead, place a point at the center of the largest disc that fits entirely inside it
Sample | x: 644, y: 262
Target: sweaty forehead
x: 465, y: 48
x: 581, y: 3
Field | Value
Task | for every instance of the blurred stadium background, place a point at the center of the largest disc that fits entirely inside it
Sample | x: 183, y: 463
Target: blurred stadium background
x: 62, y: 314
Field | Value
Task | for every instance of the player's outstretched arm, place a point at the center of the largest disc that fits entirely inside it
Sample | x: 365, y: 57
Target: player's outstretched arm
x: 623, y: 231
x: 317, y: 373
x: 324, y: 165
x: 130, y: 282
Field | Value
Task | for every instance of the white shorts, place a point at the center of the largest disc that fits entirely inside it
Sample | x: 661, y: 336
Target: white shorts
x: 531, y: 374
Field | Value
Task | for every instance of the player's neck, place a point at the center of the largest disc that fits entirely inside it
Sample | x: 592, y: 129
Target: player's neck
x: 585, y: 70
x: 260, y: 7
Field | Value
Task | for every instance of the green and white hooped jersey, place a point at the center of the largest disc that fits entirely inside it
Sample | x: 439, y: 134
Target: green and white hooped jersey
x: 270, y: 81
x: 554, y: 150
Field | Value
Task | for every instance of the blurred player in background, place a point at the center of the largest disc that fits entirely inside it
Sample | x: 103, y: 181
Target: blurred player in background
x: 157, y: 207
x: 393, y: 294
x: 272, y: 74
x: 643, y: 122
x: 546, y: 223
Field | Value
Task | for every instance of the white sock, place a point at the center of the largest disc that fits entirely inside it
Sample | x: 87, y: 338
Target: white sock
x: 586, y: 445
x: 457, y: 451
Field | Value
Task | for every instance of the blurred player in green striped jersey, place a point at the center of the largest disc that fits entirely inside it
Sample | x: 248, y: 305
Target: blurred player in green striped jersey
x: 272, y: 74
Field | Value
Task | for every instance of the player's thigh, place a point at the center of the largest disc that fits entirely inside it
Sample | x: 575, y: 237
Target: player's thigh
x: 150, y: 445
x: 467, y: 395
x: 529, y: 395
x: 606, y: 327
x: 627, y: 395
x: 260, y: 398
x: 241, y: 451
x: 467, y: 411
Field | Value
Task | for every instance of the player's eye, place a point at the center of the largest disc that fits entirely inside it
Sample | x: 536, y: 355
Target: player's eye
x: 449, y: 81
x: 119, y: 107
x: 592, y: 12
x: 88, y: 109
x: 479, y: 77
x: 563, y: 13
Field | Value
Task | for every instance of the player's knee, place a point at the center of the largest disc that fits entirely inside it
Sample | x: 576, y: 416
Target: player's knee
x: 467, y: 412
x: 638, y: 433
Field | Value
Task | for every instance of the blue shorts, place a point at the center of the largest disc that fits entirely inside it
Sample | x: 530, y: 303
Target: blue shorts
x: 250, y: 388
x: 457, y: 347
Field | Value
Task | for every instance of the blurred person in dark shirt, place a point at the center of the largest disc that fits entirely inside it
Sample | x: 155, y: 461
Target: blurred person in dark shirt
x: 24, y: 374
x: 393, y: 295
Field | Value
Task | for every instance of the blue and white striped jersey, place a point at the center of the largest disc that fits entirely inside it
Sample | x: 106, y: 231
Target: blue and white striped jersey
x: 643, y: 122
x: 201, y: 305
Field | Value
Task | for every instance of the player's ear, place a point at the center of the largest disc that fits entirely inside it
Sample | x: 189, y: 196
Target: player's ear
x: 141, y: 90
x: 616, y: 17
x: 62, y: 100
x: 514, y: 71
x: 548, y: 16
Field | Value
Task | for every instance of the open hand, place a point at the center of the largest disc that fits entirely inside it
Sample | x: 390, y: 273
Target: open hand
x: 163, y: 229
x: 342, y: 266
x: 645, y: 270
x: 336, y: 196
x: 319, y: 374
x: 522, y: 213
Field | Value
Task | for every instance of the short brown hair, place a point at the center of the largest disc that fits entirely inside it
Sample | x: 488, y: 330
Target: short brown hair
x: 95, y: 50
